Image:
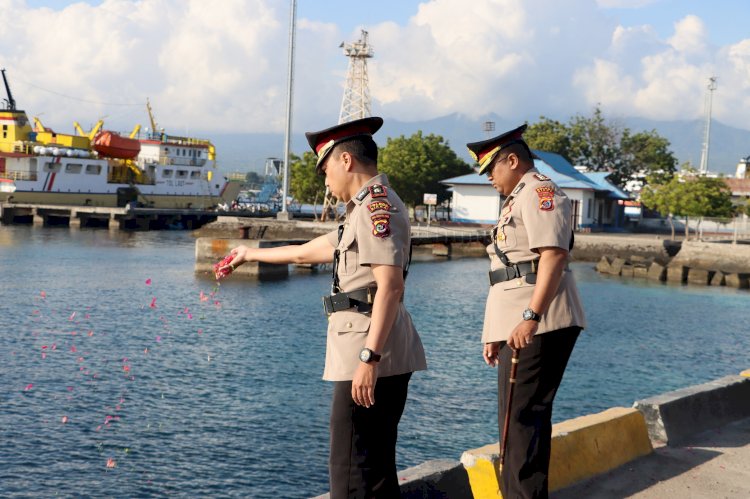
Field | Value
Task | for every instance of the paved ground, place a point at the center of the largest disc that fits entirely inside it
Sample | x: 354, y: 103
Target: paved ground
x: 716, y: 464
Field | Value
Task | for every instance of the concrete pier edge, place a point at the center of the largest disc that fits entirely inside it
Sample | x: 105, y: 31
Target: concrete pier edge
x: 589, y: 445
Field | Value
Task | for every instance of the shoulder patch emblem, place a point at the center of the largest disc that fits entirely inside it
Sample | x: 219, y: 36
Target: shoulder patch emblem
x: 541, y: 177
x: 379, y: 205
x: 546, y: 198
x: 378, y: 191
x: 381, y: 225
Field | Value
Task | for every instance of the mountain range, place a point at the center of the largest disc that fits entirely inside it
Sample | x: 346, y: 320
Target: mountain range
x: 246, y: 152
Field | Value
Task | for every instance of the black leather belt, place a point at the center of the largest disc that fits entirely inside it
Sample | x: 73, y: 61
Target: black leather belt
x: 514, y: 271
x: 361, y: 298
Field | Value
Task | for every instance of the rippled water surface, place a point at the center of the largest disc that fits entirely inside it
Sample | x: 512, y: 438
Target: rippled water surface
x: 124, y: 374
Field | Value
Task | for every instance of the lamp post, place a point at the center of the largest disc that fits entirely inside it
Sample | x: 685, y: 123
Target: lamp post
x: 284, y: 214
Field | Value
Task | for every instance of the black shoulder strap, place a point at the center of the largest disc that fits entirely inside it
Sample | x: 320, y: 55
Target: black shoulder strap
x: 336, y: 253
x: 502, y: 256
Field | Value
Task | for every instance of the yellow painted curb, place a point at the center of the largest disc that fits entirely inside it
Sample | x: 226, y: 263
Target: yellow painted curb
x: 593, y: 444
x: 745, y: 373
x: 581, y: 448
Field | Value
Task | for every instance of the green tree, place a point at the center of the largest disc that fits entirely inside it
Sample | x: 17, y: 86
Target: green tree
x: 415, y: 165
x: 304, y: 184
x: 549, y: 135
x: 647, y: 153
x: 664, y: 197
x: 595, y: 143
x: 689, y: 196
x: 602, y: 145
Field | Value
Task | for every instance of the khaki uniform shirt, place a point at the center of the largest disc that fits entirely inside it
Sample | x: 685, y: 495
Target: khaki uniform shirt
x: 376, y: 232
x: 536, y: 214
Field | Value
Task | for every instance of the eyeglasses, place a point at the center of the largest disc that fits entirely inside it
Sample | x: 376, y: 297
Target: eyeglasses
x: 497, y: 162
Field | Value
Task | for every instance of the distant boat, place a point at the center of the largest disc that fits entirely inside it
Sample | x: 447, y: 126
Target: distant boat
x: 113, y: 145
x: 105, y: 168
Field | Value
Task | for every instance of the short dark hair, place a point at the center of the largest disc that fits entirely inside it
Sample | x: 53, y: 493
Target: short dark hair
x: 363, y: 148
x: 520, y: 149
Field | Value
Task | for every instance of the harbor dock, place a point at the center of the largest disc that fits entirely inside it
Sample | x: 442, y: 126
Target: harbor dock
x: 122, y: 218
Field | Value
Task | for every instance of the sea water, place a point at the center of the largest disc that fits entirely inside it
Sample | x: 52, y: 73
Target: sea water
x: 125, y: 374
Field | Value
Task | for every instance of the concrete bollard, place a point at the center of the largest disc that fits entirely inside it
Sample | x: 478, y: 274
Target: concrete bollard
x: 603, y: 266
x: 615, y: 268
x: 676, y: 273
x: 640, y: 271
x: 627, y: 270
x: 718, y: 279
x: 699, y: 276
x: 657, y: 272
x: 737, y: 281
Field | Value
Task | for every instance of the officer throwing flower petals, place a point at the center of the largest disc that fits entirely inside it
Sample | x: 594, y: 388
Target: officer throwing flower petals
x: 372, y: 346
x: 533, y: 305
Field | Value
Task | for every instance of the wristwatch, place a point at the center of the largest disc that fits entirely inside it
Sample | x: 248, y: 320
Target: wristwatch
x: 366, y: 355
x: 530, y: 315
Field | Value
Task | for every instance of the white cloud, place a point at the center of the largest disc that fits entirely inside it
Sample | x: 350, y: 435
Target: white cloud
x: 624, y: 4
x: 222, y: 66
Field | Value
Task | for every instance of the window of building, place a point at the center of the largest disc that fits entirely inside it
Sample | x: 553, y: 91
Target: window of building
x: 73, y: 168
x: 182, y: 173
x: 195, y: 174
x: 93, y: 169
x: 166, y: 173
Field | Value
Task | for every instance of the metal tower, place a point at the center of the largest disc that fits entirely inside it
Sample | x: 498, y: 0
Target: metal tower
x: 707, y: 137
x: 356, y: 102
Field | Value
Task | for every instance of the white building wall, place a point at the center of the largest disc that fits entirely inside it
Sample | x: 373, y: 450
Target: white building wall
x: 587, y: 209
x: 481, y: 204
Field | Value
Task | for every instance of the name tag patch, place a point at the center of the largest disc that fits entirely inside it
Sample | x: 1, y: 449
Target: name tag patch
x: 379, y: 205
x: 541, y: 177
x: 381, y: 225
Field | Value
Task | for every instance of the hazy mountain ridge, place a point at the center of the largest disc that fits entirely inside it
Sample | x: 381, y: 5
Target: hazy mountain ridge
x: 243, y: 152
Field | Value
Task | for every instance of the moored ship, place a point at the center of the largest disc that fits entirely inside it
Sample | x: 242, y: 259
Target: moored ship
x: 105, y: 168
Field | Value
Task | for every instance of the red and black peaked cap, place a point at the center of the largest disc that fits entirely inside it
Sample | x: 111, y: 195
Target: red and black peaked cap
x: 322, y: 142
x: 485, y: 151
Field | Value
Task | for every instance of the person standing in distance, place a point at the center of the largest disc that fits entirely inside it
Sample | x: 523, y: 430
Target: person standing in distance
x: 533, y: 305
x: 372, y: 346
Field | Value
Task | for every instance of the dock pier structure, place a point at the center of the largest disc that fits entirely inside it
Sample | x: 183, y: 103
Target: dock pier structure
x: 120, y: 218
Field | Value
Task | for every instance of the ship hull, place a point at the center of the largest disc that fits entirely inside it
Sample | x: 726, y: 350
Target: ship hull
x: 90, y: 182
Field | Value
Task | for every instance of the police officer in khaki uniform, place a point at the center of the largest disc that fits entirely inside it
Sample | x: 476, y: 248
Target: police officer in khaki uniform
x: 533, y: 305
x: 372, y: 346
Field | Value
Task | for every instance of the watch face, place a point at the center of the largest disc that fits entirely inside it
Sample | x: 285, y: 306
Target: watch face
x: 526, y: 314
x: 364, y: 355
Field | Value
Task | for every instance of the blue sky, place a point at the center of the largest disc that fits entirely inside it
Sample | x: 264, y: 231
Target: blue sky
x: 727, y: 19
x: 517, y: 58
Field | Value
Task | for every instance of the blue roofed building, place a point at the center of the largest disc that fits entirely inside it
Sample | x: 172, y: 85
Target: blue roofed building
x: 597, y: 203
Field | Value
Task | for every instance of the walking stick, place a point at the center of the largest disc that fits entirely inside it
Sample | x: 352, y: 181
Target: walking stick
x: 513, y: 369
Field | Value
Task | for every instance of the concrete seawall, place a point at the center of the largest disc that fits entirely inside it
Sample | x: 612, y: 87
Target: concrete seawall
x: 596, y: 444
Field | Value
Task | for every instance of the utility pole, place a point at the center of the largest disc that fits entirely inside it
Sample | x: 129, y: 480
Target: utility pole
x: 284, y: 214
x: 707, y: 135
